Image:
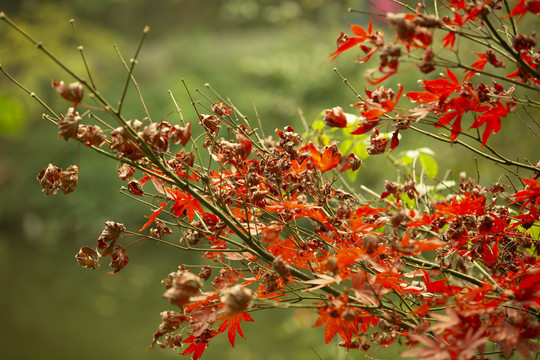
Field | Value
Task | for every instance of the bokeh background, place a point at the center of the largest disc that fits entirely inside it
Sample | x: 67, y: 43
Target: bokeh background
x: 271, y: 53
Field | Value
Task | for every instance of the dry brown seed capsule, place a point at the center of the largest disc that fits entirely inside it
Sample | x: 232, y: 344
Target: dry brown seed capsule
x: 236, y: 300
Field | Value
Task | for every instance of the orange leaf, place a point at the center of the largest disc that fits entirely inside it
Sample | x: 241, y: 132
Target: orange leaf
x: 154, y: 215
x: 328, y: 160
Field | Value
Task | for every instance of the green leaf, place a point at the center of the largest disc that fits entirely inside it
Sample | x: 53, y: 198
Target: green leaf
x: 360, y: 150
x: 318, y: 125
x: 429, y: 164
x: 345, y: 146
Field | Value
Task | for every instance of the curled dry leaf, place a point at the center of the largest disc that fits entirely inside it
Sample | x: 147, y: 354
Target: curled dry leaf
x: 73, y: 92
x: 68, y: 127
x: 220, y: 109
x: 49, y: 179
x: 109, y: 235
x: 91, y: 135
x: 52, y: 179
x: 335, y: 117
x: 179, y: 134
x: 171, y: 320
x: 88, y: 258
x: 119, y: 259
x: 185, y: 285
x: 125, y: 171
x: 69, y: 179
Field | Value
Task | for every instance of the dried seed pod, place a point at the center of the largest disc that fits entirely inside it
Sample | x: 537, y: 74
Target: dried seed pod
x: 236, y: 300
x: 281, y: 268
x: 185, y: 285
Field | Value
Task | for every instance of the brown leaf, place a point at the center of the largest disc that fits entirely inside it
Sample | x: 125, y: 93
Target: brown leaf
x: 119, y: 259
x: 125, y: 171
x: 49, y: 179
x: 88, y: 258
x: 185, y: 285
x: 179, y: 134
x: 91, y: 135
x: 69, y: 179
x: 68, y: 127
x: 110, y: 234
x: 73, y: 92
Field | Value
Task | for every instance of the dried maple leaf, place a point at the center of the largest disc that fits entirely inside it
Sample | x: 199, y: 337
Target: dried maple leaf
x: 68, y: 127
x: 119, y: 259
x: 88, y: 258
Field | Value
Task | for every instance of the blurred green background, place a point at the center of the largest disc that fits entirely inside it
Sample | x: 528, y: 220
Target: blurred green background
x: 273, y: 54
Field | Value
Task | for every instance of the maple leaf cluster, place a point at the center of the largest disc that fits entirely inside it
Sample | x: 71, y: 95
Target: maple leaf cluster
x: 447, y: 99
x: 444, y: 273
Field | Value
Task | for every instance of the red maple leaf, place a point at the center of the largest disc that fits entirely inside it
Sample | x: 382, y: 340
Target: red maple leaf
x: 530, y: 195
x: 234, y: 326
x: 155, y: 213
x: 198, y: 343
x: 335, y: 324
x: 492, y: 119
x: 461, y: 207
x: 345, y: 42
x: 436, y: 89
x: 439, y: 286
x: 524, y: 6
x: 184, y: 202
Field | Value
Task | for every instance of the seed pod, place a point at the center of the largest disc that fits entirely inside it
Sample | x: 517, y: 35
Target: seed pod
x: 236, y: 300
x: 184, y: 286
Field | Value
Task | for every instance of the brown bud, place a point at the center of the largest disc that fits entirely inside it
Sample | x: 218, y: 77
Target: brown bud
x: 331, y: 265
